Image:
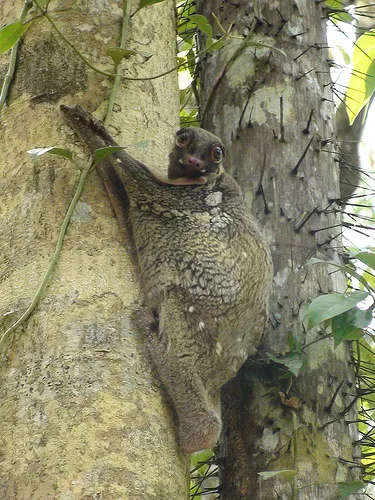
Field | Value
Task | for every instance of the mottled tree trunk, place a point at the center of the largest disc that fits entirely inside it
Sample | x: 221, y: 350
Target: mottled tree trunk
x: 81, y: 413
x: 274, y: 112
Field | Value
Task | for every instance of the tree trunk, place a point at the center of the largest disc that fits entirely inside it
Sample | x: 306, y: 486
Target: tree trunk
x: 82, y: 412
x: 274, y: 112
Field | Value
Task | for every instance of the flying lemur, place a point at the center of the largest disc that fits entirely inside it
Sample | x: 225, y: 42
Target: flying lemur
x: 204, y: 266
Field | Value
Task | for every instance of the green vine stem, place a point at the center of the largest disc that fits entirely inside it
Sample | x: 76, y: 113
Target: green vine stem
x: 117, y: 79
x: 77, y: 194
x: 326, y: 336
x: 178, y: 66
x: 13, y: 57
x: 71, y: 45
x: 55, y: 256
x: 126, y: 20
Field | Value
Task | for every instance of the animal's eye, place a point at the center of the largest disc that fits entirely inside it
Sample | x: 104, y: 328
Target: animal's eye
x: 183, y: 139
x: 216, y: 153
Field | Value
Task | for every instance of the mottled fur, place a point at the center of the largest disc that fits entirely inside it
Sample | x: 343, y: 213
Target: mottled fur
x: 206, y: 273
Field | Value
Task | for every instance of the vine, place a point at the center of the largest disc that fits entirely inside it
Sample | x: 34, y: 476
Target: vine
x: 36, y: 153
x: 9, y: 38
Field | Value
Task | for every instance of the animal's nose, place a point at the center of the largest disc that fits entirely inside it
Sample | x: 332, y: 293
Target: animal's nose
x: 193, y: 160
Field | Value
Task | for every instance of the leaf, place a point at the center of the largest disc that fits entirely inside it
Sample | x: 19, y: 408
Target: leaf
x: 118, y: 54
x: 190, y: 58
x: 344, y: 54
x: 214, y: 45
x: 293, y: 361
x: 350, y: 324
x: 367, y: 258
x: 362, y: 81
x: 331, y: 305
x: 369, y: 278
x: 293, y: 342
x: 352, y: 272
x: 101, y: 153
x: 10, y: 34
x: 347, y: 269
x: 333, y: 4
x: 184, y: 46
x: 38, y: 152
x: 355, y: 334
x: 287, y: 473
x: 338, y: 12
x: 347, y: 489
x: 202, y: 24
x: 144, y: 3
x: 199, y: 457
x: 359, y: 318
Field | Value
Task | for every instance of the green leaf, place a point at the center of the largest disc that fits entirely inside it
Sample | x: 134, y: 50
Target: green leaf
x: 184, y: 46
x: 144, y: 3
x: 199, y: 457
x: 352, y: 272
x: 347, y: 269
x: 344, y: 54
x: 334, y: 4
x: 293, y: 342
x: 367, y: 258
x: 337, y: 11
x: 118, y: 54
x: 202, y: 24
x: 347, y: 489
x: 331, y: 305
x: 344, y: 17
x: 214, y: 45
x: 369, y: 278
x: 190, y: 58
x: 350, y: 324
x: 101, y: 153
x: 10, y: 34
x: 362, y: 81
x: 359, y: 318
x: 185, y: 26
x: 293, y: 361
x: 38, y: 152
x: 355, y: 334
x: 289, y: 474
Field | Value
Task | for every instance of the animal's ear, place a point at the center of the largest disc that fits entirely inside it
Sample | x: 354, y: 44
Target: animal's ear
x: 182, y: 131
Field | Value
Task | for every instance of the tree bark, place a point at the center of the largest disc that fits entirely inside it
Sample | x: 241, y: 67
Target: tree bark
x: 274, y: 112
x: 82, y: 412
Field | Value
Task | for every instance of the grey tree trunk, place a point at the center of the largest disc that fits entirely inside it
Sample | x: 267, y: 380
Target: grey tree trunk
x: 82, y: 414
x: 274, y: 112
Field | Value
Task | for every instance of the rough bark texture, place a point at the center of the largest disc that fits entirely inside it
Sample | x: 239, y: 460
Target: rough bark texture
x: 82, y: 414
x: 274, y: 112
